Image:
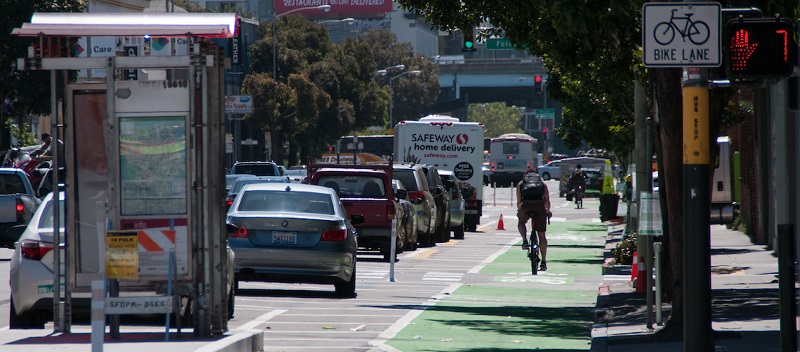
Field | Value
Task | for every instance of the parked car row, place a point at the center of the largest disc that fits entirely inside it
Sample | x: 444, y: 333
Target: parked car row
x: 312, y: 231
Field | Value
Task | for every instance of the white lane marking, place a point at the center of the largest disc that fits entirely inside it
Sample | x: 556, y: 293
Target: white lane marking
x: 386, y: 335
x: 476, y: 269
x: 440, y: 276
x: 261, y: 320
x: 610, y: 277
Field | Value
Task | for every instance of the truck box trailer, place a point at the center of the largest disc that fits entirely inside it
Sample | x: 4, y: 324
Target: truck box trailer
x: 452, y: 145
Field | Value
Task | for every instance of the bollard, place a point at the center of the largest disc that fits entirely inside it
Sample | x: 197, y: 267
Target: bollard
x: 392, y: 250
x: 657, y: 247
x: 98, y: 314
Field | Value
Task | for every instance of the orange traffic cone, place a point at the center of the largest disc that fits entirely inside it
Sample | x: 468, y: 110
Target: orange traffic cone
x: 500, y: 223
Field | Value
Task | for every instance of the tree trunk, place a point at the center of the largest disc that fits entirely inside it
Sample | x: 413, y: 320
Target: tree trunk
x: 668, y: 95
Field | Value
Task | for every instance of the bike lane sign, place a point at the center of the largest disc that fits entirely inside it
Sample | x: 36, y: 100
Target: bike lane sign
x: 681, y: 34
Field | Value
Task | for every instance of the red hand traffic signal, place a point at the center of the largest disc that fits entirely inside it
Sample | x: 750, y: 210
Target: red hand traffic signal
x: 760, y: 48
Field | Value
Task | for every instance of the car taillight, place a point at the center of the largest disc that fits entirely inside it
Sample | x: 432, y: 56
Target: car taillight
x: 34, y: 250
x: 20, y: 209
x: 241, y: 232
x: 454, y: 193
x: 228, y: 202
x: 492, y: 167
x: 334, y: 235
x: 390, y: 212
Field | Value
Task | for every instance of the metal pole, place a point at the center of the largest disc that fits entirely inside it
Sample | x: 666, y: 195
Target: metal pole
x: 788, y: 301
x: 391, y: 102
x: 657, y: 248
x: 392, y: 250
x: 648, y: 250
x: 698, y: 334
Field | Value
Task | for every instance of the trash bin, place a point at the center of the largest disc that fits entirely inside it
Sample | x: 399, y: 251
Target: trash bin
x: 609, y: 204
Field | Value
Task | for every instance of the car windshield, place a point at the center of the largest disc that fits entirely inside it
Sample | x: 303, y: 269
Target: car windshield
x: 354, y: 185
x: 407, y: 177
x: 282, y: 201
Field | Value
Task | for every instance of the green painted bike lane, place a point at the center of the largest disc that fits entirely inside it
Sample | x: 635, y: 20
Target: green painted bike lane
x: 506, y: 308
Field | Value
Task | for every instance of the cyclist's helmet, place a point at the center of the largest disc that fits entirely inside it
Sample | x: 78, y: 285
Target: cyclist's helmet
x: 530, y: 171
x: 578, y: 167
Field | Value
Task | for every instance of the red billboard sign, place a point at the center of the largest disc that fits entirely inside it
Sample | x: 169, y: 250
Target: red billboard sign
x: 337, y: 6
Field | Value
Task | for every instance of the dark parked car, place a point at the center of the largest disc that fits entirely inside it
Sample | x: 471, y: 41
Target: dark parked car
x: 457, y: 203
x: 408, y: 222
x: 413, y: 177
x: 442, y: 200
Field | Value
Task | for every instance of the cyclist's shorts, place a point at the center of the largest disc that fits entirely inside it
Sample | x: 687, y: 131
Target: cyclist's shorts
x: 537, y: 206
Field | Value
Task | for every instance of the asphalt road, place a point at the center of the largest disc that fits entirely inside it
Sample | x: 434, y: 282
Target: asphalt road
x: 438, y: 298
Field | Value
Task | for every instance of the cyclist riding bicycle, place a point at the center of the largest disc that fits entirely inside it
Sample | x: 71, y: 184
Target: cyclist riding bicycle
x: 533, y: 198
x: 577, y: 181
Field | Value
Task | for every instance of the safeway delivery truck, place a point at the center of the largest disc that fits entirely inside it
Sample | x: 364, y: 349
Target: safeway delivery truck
x: 452, y: 145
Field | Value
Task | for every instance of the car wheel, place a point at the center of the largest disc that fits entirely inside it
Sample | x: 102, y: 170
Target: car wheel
x: 31, y: 319
x: 546, y: 176
x: 401, y: 240
x: 231, y: 303
x: 347, y: 289
x: 458, y: 232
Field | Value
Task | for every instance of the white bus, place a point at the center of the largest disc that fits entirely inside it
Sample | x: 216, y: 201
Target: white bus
x: 509, y: 156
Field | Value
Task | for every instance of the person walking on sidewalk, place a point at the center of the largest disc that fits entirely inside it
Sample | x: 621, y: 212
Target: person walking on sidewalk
x: 533, y: 198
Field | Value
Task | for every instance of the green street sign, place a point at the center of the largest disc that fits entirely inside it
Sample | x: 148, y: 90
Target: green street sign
x: 499, y: 44
x: 545, y: 113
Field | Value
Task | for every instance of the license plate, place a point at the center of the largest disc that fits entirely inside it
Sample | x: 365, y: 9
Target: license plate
x: 284, y: 238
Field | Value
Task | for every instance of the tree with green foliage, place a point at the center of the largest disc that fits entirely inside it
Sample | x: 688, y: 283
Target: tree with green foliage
x: 496, y: 117
x: 592, y: 50
x: 23, y: 93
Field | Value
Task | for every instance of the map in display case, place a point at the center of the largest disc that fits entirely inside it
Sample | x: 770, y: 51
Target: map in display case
x: 153, y: 174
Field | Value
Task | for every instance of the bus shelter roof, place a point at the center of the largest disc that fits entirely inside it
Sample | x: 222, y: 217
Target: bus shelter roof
x: 61, y: 24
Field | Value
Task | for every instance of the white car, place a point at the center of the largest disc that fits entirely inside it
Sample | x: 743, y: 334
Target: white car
x: 551, y: 170
x: 31, y: 274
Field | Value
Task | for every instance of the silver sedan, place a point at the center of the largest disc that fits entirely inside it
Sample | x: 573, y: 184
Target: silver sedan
x: 293, y: 233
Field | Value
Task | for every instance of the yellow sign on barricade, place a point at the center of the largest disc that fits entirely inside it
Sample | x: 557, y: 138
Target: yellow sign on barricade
x: 608, y: 179
x: 122, y: 255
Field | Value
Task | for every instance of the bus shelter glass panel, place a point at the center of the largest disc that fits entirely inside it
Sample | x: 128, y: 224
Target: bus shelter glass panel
x: 153, y: 175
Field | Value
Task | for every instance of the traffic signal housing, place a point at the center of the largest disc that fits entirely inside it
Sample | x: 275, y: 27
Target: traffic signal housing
x: 760, y: 48
x: 537, y: 83
x: 469, y: 40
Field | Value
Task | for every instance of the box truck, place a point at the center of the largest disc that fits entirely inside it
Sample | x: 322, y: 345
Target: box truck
x: 452, y: 145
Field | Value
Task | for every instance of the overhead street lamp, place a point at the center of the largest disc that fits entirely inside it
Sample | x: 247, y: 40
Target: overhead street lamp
x: 385, y: 72
x: 276, y: 16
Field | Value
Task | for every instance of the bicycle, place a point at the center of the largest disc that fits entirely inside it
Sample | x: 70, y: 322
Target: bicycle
x: 697, y: 31
x: 579, y: 194
x: 533, y: 248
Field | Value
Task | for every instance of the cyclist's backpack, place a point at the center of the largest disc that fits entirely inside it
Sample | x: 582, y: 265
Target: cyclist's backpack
x: 532, y: 186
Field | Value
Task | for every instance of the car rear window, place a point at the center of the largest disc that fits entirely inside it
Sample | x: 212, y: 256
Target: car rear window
x: 11, y: 184
x: 408, y: 179
x: 256, y: 169
x: 282, y: 201
x: 239, y: 184
x: 354, y: 185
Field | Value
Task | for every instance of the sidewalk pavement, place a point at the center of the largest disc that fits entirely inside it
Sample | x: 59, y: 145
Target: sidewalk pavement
x: 744, y: 290
x: 133, y: 339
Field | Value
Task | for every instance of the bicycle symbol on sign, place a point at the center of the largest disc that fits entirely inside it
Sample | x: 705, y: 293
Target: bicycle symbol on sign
x: 697, y: 31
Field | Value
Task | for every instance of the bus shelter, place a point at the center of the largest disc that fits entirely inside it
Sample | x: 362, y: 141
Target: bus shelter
x: 142, y: 119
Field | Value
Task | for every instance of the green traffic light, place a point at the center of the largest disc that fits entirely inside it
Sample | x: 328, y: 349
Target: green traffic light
x: 468, y: 45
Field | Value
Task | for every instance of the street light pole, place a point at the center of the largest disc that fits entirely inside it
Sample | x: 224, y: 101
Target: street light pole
x: 384, y: 72
x: 276, y: 16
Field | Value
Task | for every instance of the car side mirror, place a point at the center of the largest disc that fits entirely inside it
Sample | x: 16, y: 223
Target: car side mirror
x: 357, y: 219
x: 401, y: 194
x: 449, y: 184
x: 437, y: 191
